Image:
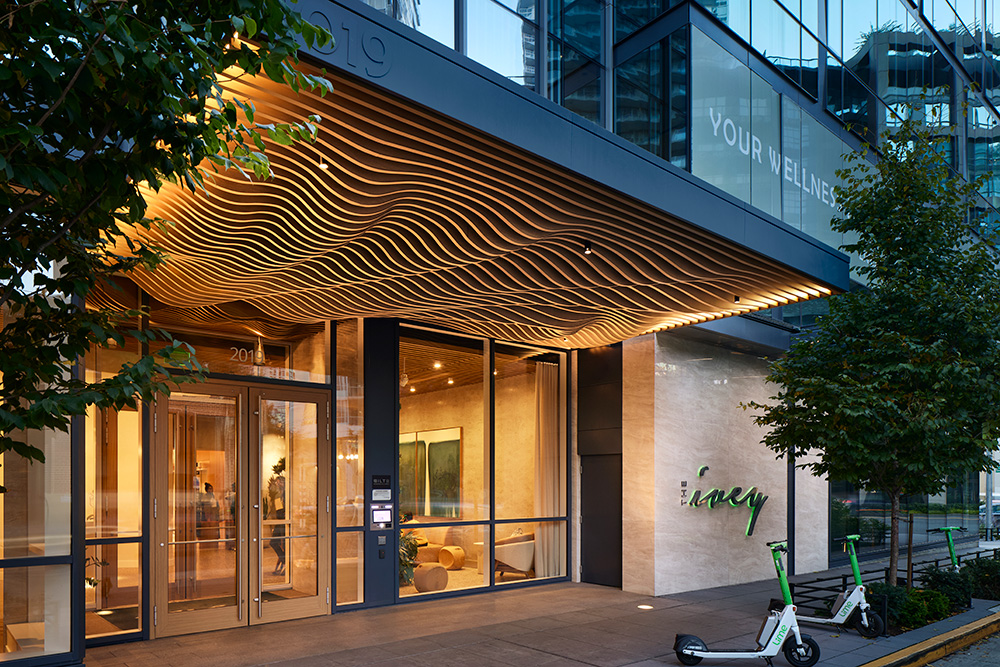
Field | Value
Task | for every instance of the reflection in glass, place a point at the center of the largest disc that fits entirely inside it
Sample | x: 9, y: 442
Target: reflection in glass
x: 35, y: 611
x: 350, y: 482
x: 350, y: 567
x: 448, y: 557
x: 202, y: 434
x: 434, y: 19
x: 529, y: 551
x: 775, y: 34
x: 733, y: 13
x: 575, y: 81
x: 578, y: 23
x: 502, y: 41
x: 289, y: 503
x: 113, y: 589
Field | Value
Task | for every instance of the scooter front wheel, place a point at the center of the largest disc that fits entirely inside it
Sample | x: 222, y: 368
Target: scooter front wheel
x: 873, y: 629
x: 688, y: 641
x: 808, y: 658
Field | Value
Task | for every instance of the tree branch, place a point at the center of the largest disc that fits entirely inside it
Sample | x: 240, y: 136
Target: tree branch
x: 22, y: 209
x: 62, y: 232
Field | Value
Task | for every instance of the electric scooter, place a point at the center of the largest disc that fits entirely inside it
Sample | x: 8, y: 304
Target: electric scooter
x: 778, y: 633
x: 947, y: 530
x: 852, y: 603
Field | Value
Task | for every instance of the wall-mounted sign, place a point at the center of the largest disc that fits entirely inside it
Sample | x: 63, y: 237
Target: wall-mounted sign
x: 381, y: 487
x: 734, y: 497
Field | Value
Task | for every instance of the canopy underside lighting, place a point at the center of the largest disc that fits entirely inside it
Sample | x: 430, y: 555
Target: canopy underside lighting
x: 398, y: 212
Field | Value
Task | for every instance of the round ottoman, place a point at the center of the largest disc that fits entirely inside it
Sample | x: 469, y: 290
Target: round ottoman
x: 453, y: 558
x: 429, y: 577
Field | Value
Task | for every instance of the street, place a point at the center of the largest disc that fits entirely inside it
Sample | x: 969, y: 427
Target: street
x: 984, y: 653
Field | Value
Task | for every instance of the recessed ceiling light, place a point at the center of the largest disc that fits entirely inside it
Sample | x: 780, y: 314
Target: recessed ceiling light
x: 450, y: 381
x: 645, y: 606
x: 437, y: 364
x: 105, y: 612
x: 412, y: 389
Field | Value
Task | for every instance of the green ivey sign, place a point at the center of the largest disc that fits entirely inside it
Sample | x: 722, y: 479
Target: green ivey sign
x: 735, y: 497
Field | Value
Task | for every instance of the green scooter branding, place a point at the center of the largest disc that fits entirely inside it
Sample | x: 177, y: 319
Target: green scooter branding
x: 779, y: 636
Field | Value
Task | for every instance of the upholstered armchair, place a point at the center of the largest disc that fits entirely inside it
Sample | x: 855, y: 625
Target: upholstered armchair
x: 515, y: 554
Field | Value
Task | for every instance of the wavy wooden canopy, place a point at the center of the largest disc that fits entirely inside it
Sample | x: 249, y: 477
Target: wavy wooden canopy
x: 397, y: 211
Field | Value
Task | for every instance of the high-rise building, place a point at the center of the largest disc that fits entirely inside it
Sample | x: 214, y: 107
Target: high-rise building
x: 534, y: 238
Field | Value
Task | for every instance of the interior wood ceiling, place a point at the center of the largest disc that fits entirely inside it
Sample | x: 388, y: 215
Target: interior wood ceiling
x: 418, y: 217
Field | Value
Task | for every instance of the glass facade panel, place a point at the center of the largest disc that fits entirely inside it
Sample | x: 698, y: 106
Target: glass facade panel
x: 35, y: 616
x: 721, y: 139
x: 290, y: 500
x: 203, y: 436
x: 443, y: 460
x: 113, y: 589
x: 436, y: 20
x: 575, y: 81
x: 350, y: 481
x: 528, y: 456
x: 457, y: 548
x: 776, y: 35
x: 630, y: 15
x: 350, y: 567
x: 733, y: 13
x: 578, y: 23
x: 856, y: 511
x: 529, y: 551
x: 36, y: 506
x: 502, y: 40
x: 250, y: 343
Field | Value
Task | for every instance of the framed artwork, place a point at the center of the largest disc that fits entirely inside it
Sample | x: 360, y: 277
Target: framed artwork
x: 430, y: 473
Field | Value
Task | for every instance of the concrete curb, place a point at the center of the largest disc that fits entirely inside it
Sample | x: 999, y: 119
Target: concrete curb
x: 938, y: 647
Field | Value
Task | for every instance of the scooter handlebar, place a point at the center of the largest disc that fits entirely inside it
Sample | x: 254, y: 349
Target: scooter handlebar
x: 781, y: 545
x: 961, y: 529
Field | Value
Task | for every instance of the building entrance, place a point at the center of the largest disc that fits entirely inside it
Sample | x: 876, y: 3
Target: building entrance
x: 240, y: 507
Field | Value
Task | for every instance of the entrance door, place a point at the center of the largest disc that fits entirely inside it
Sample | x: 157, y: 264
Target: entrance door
x: 240, y: 508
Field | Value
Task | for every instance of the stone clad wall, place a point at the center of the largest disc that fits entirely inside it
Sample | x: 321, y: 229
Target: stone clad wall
x: 681, y: 412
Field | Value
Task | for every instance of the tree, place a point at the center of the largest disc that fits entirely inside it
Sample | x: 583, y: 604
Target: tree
x: 898, y: 388
x: 100, y: 99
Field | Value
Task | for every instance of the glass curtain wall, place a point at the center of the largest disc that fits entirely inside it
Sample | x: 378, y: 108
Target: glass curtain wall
x: 479, y: 505
x: 855, y: 511
x: 35, y: 547
x: 349, y: 485
x: 113, y: 488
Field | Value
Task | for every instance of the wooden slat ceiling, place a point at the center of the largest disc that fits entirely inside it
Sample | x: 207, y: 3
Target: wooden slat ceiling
x: 418, y: 217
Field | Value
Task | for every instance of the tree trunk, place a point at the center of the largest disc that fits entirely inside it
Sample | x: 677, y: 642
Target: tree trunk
x: 893, y: 539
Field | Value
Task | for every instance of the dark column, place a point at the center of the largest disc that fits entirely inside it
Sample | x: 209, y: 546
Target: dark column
x: 381, y: 370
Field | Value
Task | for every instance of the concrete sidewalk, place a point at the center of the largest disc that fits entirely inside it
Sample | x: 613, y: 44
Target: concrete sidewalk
x: 554, y: 625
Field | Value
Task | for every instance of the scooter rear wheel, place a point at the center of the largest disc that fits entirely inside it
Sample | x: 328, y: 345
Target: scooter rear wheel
x: 873, y: 629
x: 688, y: 642
x: 795, y: 659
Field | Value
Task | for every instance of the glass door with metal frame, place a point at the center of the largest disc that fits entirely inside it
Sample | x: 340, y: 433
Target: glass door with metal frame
x: 241, y: 518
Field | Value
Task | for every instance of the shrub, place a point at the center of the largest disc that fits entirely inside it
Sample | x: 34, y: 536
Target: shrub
x: 984, y: 578
x: 936, y: 603
x: 957, y: 586
x: 898, y: 595
x: 921, y: 607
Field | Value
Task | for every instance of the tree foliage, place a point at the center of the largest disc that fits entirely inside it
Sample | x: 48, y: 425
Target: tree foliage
x: 897, y: 390
x: 98, y: 101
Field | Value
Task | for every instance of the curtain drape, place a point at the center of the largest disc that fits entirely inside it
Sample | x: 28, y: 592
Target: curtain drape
x: 550, y: 473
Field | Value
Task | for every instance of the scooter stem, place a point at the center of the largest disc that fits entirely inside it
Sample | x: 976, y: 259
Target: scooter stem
x: 852, y: 552
x: 776, y: 549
